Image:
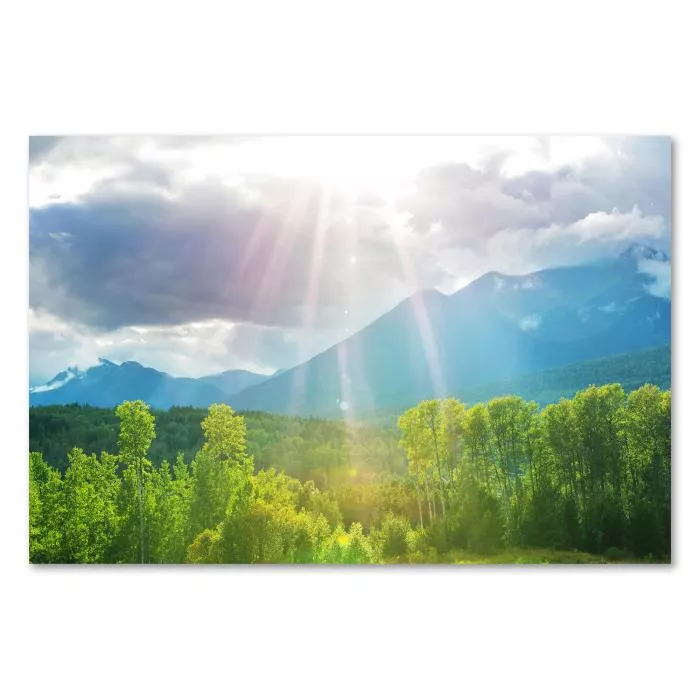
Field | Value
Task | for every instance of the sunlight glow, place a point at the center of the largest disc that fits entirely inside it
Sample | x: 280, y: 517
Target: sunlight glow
x: 352, y: 166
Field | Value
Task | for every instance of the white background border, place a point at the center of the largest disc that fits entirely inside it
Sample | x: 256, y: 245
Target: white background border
x: 380, y: 67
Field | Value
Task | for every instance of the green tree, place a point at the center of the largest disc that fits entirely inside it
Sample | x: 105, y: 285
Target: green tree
x: 221, y: 469
x: 46, y: 511
x: 392, y: 539
x: 170, y: 491
x: 645, y: 432
x: 597, y: 412
x: 477, y: 444
x: 420, y: 429
x: 136, y: 433
x: 204, y: 549
x: 90, y: 499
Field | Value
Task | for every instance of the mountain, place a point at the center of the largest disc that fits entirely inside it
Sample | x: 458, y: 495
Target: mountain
x: 108, y: 384
x: 496, y: 328
x: 234, y: 380
x: 638, y: 252
x: 631, y: 370
x: 59, y: 380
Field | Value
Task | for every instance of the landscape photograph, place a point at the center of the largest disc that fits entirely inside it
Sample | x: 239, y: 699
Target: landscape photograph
x: 338, y: 349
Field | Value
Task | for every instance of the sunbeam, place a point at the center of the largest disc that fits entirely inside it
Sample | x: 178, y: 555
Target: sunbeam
x: 312, y: 293
x: 423, y: 322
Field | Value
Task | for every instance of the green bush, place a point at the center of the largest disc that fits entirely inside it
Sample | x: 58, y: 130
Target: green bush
x: 391, y: 539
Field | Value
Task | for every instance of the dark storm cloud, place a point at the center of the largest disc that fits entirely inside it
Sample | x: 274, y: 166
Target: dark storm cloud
x: 128, y: 255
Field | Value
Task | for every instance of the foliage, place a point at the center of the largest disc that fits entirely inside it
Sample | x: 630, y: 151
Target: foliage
x: 91, y: 520
x: 587, y: 479
x: 392, y: 539
x: 330, y: 453
x: 47, y: 511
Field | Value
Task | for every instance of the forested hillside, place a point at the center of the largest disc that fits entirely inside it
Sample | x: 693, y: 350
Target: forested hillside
x: 295, y: 444
x: 630, y: 370
x: 305, y: 448
x: 584, y: 479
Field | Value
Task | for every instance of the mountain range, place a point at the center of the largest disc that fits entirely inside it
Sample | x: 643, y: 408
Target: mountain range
x: 495, y: 329
x: 108, y: 384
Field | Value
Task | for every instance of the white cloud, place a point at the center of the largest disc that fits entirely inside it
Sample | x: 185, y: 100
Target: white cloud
x: 613, y: 226
x: 433, y: 212
x: 660, y: 272
x: 187, y: 350
x: 598, y: 234
x: 530, y: 282
x: 554, y: 152
x: 69, y: 374
x: 530, y: 323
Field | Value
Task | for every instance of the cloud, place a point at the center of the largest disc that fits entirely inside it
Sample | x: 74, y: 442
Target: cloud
x: 529, y: 323
x: 132, y: 258
x: 192, y: 349
x: 595, y: 236
x: 470, y: 204
x: 510, y: 218
x: 499, y: 283
x: 40, y: 146
x: 660, y: 272
x: 135, y: 242
x: 531, y: 282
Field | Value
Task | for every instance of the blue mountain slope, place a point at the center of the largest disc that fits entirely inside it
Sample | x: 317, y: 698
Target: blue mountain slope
x: 494, y: 329
x: 234, y: 380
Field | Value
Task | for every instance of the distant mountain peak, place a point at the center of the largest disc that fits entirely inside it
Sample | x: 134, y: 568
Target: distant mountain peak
x: 428, y: 293
x: 131, y: 363
x: 639, y: 251
x: 63, y: 377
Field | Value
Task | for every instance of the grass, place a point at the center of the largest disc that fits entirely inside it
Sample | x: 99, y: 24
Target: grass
x: 517, y: 556
x: 531, y: 556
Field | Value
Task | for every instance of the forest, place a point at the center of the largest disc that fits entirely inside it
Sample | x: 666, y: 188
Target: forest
x: 587, y: 479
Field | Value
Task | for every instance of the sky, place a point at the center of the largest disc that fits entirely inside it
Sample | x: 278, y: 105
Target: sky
x: 199, y: 254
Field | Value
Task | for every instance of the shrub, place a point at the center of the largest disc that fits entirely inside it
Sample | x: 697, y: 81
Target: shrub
x: 391, y: 539
x: 204, y: 547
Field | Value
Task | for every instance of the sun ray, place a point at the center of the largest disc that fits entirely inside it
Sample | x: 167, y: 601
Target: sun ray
x: 423, y: 322
x: 312, y: 294
x: 283, y: 242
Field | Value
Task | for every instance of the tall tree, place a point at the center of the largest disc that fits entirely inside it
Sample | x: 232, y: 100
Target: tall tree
x: 646, y: 439
x: 46, y: 511
x: 220, y: 469
x: 90, y: 497
x: 171, y: 490
x: 136, y: 433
